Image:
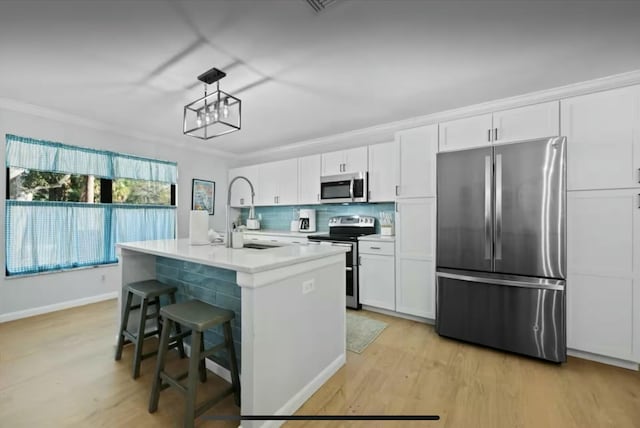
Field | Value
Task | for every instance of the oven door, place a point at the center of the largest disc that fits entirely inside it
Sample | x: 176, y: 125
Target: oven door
x: 351, y: 272
x: 344, y: 188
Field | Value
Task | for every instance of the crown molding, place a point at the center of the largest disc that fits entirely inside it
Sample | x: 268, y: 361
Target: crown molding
x: 385, y: 132
x: 71, y: 119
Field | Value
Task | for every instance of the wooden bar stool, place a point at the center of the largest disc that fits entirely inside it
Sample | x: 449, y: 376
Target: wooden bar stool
x: 149, y: 293
x: 198, y: 317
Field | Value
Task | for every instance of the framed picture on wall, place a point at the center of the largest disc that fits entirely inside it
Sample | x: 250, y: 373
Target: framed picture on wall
x: 203, y: 195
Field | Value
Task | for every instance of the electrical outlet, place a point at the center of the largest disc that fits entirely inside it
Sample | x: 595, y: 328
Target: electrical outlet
x: 103, y: 277
x: 308, y: 286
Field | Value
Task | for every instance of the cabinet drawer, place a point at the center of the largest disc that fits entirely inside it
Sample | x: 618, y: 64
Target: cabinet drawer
x: 374, y: 247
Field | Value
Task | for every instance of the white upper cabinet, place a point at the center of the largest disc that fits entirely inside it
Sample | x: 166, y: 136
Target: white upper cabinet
x: 278, y: 183
x: 527, y: 123
x: 417, y: 149
x: 383, y: 172
x: 603, y: 139
x: 309, y: 180
x: 343, y: 161
x: 241, y: 192
x: 475, y: 131
x: 603, y: 281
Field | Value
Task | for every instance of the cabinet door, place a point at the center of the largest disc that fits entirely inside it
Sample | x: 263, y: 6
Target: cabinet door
x: 355, y: 160
x: 309, y: 180
x: 417, y: 150
x: 267, y: 188
x: 333, y: 163
x: 240, y: 191
x: 383, y: 170
x: 415, y: 257
x: 527, y: 123
x: 464, y: 133
x: 286, y: 176
x: 377, y: 281
x: 603, y: 249
x: 603, y: 139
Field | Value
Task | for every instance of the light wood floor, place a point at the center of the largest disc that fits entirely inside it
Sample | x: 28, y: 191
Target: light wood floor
x: 58, y: 370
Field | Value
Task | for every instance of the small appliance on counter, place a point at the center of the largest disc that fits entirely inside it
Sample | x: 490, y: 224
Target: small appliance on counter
x: 307, y: 221
x: 386, y: 223
x: 252, y: 222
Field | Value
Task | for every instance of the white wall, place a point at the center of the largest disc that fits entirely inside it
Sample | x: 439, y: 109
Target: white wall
x: 33, y: 294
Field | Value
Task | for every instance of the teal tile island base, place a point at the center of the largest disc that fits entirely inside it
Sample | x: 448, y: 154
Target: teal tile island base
x: 289, y: 303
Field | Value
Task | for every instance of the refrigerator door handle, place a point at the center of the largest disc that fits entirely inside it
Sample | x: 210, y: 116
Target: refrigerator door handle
x: 498, y: 207
x: 487, y: 207
x: 540, y: 283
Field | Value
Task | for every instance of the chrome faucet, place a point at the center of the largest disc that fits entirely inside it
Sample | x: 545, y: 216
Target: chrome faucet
x: 227, y: 232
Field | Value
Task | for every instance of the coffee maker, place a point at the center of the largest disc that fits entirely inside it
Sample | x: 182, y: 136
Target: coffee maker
x: 307, y: 221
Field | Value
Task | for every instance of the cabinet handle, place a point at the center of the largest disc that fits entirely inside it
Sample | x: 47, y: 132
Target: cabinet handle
x: 318, y: 196
x: 241, y: 201
x: 359, y: 260
x: 375, y: 248
x: 397, y: 208
x: 638, y: 200
x: 638, y: 175
x: 368, y: 194
x: 397, y: 189
x: 489, y: 135
x: 495, y: 134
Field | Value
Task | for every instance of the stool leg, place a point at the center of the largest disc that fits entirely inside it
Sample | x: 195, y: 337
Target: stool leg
x: 162, y: 354
x: 172, y: 299
x: 156, y: 303
x: 202, y: 368
x: 192, y: 380
x: 137, y: 358
x: 123, y: 326
x: 233, y: 362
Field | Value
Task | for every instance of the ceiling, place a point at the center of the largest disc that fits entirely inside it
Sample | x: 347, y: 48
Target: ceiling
x: 301, y: 75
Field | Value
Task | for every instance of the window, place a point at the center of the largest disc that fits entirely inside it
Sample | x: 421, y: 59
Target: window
x: 68, y: 206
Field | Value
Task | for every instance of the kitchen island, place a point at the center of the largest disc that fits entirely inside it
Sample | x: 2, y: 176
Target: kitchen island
x: 290, y: 311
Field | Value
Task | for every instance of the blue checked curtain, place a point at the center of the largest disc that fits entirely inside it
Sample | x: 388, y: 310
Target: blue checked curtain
x: 43, y: 236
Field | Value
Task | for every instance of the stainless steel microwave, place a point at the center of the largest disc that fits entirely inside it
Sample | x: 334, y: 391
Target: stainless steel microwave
x: 344, y: 188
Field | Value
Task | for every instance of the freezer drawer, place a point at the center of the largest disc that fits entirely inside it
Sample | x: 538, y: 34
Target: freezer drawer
x: 498, y: 313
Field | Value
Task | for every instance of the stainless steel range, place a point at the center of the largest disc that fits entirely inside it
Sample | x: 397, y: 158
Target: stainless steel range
x: 344, y: 231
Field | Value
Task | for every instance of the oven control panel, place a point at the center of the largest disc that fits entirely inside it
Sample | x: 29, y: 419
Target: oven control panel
x: 352, y: 220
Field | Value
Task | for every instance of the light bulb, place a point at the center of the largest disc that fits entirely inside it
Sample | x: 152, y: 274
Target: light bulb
x: 207, y: 118
x: 216, y: 115
x: 225, y: 108
x: 199, y: 120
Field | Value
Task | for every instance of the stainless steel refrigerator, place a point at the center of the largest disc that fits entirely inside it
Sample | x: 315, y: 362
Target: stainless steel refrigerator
x: 501, y: 247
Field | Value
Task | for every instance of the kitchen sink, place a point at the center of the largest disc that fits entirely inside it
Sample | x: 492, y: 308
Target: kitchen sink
x: 257, y: 246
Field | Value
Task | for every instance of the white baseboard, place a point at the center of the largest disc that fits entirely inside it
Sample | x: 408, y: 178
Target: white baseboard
x: 12, y: 316
x: 603, y: 359
x: 398, y: 314
x: 291, y: 406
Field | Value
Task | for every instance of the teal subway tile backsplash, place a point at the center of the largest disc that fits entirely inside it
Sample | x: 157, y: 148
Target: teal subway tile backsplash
x: 279, y: 217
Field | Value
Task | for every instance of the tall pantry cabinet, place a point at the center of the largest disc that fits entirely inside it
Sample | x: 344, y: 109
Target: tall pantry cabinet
x: 603, y: 222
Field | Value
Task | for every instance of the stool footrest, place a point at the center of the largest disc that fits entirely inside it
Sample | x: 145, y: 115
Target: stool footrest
x: 209, y: 352
x: 175, y: 382
x: 150, y: 303
x: 210, y: 403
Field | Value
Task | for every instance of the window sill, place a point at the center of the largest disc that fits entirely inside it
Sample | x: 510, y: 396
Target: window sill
x: 50, y: 272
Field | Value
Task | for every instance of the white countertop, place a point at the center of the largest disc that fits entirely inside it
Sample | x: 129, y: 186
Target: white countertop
x: 377, y: 238
x: 286, y: 233
x: 241, y: 260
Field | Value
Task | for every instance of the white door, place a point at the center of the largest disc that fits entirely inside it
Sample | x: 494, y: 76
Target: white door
x: 333, y: 163
x: 527, y: 123
x: 240, y: 191
x: 355, y: 160
x: 417, y: 150
x: 603, y: 263
x: 267, y: 187
x: 475, y: 131
x: 603, y: 139
x: 415, y: 257
x: 309, y: 180
x: 286, y: 177
x: 377, y: 281
x: 383, y: 171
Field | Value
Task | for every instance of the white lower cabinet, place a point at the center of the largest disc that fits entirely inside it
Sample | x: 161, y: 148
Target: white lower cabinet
x: 603, y: 281
x: 415, y: 257
x: 377, y: 281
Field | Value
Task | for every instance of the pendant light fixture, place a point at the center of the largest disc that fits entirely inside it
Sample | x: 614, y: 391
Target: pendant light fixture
x: 217, y: 113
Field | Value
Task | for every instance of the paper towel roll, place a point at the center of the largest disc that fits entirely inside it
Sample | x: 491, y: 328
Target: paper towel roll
x: 198, y: 227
